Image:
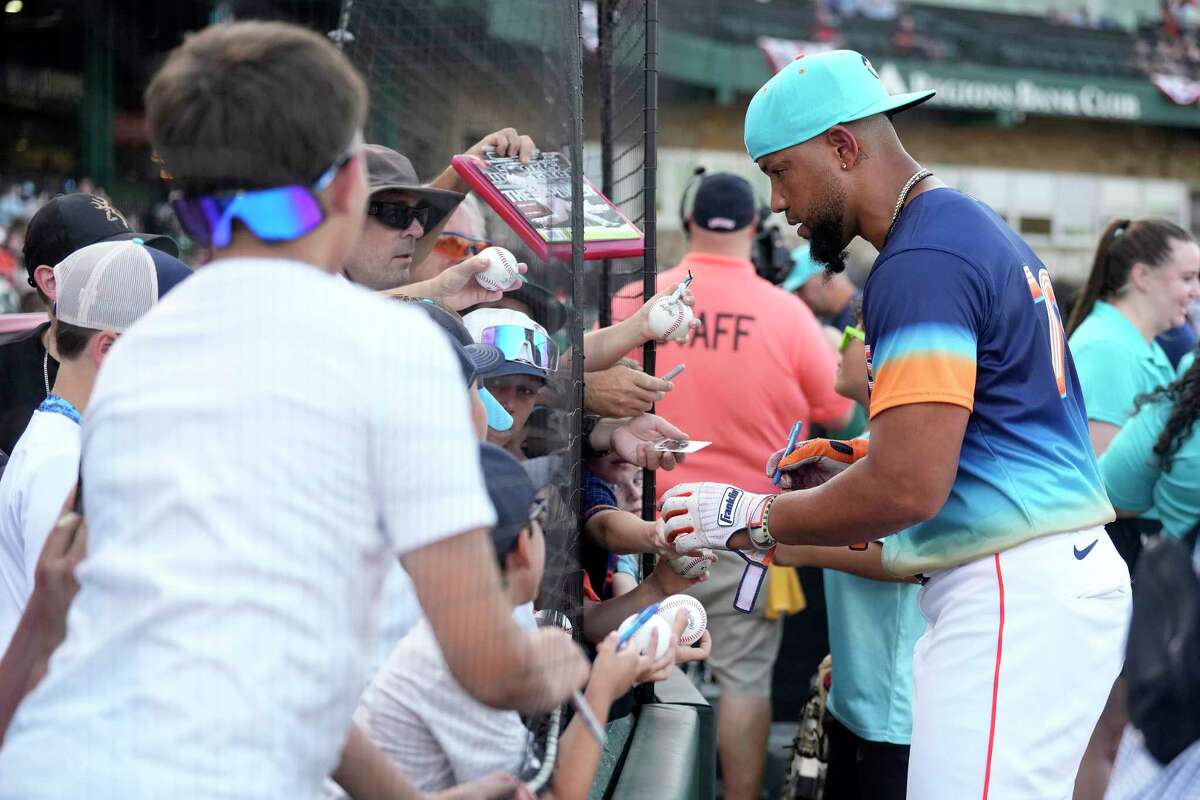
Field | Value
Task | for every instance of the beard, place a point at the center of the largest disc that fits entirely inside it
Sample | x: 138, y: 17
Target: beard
x: 827, y: 225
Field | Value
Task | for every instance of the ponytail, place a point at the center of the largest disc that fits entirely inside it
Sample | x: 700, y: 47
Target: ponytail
x: 1097, y: 286
x: 1124, y: 243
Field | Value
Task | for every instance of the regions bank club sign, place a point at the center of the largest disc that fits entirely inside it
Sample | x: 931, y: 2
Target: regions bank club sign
x: 1017, y: 96
x: 977, y: 88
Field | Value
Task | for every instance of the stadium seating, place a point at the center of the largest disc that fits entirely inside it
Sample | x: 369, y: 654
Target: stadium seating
x: 1010, y: 40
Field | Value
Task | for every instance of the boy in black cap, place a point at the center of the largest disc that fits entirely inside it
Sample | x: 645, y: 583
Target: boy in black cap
x: 433, y: 730
x: 27, y: 362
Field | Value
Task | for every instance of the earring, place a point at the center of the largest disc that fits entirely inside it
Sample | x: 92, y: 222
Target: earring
x: 843, y: 165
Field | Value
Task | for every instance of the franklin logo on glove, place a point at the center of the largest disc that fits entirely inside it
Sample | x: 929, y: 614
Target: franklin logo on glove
x: 729, y: 504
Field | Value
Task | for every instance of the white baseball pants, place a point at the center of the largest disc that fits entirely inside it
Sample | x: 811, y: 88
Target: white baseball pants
x: 1010, y: 677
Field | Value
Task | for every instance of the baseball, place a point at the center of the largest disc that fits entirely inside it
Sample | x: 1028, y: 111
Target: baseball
x: 501, y: 274
x: 692, y: 566
x: 670, y: 319
x: 697, y: 619
x: 641, y: 639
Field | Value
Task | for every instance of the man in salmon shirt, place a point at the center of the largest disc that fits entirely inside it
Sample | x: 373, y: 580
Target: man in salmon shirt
x: 757, y: 363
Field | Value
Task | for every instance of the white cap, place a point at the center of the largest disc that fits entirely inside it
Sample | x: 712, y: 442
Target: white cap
x: 518, y: 363
x: 109, y: 285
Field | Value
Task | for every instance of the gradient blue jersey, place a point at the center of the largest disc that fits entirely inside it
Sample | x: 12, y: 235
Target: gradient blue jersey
x: 958, y: 309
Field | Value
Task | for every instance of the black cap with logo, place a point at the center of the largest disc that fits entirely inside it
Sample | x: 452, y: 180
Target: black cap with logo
x: 71, y: 221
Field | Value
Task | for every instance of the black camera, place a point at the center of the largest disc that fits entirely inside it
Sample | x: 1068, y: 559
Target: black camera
x: 772, y: 258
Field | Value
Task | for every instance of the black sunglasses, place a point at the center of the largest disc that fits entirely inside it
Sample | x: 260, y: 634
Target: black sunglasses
x: 398, y: 215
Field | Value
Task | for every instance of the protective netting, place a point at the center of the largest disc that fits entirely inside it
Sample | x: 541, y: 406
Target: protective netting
x: 626, y: 73
x: 627, y: 116
x: 442, y: 75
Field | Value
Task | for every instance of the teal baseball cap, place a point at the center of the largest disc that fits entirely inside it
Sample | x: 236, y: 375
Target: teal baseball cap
x: 804, y: 269
x: 812, y: 94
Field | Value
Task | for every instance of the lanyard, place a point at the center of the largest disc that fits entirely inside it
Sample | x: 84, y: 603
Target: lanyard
x: 53, y: 404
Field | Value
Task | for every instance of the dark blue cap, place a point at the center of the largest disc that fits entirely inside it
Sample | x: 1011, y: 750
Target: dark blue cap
x: 724, y: 203
x: 511, y: 492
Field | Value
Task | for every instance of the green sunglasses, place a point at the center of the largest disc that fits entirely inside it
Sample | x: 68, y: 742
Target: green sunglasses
x: 848, y: 333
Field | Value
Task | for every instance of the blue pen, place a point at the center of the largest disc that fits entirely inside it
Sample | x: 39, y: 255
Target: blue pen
x: 642, y: 618
x: 791, y: 444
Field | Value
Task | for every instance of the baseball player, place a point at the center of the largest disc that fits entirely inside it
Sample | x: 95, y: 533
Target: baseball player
x: 979, y: 461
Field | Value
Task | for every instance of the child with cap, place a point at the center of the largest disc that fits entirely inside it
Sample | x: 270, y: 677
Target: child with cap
x: 530, y: 357
x: 433, y: 730
x: 611, y: 529
x: 102, y: 289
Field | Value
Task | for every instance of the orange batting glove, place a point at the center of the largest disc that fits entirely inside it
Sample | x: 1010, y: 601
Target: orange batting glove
x: 815, y: 461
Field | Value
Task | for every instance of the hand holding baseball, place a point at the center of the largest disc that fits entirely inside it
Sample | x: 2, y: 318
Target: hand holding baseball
x: 661, y: 668
x: 699, y: 652
x: 458, y: 287
x: 667, y: 578
x: 694, y: 564
x: 667, y: 318
x: 502, y: 273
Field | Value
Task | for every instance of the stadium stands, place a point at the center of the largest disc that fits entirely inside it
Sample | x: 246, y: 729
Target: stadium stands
x: 1008, y: 40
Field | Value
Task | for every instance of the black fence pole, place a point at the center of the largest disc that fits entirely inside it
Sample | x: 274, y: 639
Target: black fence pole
x: 649, y: 189
x: 575, y: 90
x: 604, y: 12
x: 650, y: 258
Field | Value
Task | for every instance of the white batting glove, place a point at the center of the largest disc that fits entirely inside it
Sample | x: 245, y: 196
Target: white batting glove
x: 699, y: 515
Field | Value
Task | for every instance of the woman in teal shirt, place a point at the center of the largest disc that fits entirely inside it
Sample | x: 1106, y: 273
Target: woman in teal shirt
x: 1154, y: 462
x: 1144, y: 276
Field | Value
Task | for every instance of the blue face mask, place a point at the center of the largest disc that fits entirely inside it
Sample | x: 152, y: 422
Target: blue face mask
x: 498, y: 419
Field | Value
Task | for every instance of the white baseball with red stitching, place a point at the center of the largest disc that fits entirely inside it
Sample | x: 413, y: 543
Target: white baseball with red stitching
x: 692, y: 566
x: 697, y: 617
x: 502, y: 270
x: 670, y: 319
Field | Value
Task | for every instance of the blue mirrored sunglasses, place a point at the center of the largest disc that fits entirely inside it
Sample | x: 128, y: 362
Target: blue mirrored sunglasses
x: 519, y: 343
x: 279, y: 214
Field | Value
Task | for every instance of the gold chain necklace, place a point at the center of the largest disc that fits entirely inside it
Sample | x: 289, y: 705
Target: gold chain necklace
x: 917, y: 177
